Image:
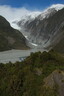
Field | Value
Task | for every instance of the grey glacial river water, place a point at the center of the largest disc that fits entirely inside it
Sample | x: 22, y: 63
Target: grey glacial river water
x: 16, y: 55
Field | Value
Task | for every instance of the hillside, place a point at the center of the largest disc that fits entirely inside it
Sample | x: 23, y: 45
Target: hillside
x: 40, y: 74
x: 10, y: 38
x: 60, y: 45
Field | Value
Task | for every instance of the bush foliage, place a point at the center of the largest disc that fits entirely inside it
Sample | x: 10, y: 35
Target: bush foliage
x: 26, y: 78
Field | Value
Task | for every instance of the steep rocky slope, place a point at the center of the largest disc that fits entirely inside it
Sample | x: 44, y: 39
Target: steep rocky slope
x: 60, y: 45
x: 55, y: 79
x: 46, y: 30
x: 9, y: 37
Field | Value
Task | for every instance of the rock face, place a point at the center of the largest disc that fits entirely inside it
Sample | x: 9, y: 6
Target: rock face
x: 36, y: 28
x: 9, y: 37
x: 39, y: 29
x: 56, y: 79
x: 47, y: 29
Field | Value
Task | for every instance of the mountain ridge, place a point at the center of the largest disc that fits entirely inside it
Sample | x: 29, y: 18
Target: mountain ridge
x: 47, y: 32
x: 10, y: 38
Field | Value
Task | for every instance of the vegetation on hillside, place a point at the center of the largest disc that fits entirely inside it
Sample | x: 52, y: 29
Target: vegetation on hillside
x: 27, y: 78
x: 10, y: 38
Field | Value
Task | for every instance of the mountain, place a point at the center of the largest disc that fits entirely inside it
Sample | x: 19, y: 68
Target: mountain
x: 47, y: 29
x: 28, y: 18
x: 10, y: 38
x: 37, y: 27
x: 40, y: 74
x: 31, y: 16
x: 28, y: 25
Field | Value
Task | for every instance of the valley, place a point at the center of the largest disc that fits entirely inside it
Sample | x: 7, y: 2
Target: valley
x: 37, y: 32
x: 32, y: 52
x: 46, y: 29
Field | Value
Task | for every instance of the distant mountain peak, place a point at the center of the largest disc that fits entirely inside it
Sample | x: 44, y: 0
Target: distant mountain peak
x: 50, y: 10
x: 57, y: 6
x: 46, y: 13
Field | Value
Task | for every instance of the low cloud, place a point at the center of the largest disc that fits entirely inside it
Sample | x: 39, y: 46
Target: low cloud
x: 14, y: 13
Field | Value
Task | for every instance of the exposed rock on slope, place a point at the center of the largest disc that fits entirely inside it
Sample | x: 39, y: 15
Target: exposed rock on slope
x: 55, y: 79
x: 48, y: 30
x: 33, y: 28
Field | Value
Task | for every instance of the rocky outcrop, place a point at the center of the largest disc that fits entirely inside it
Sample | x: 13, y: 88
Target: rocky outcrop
x: 55, y: 79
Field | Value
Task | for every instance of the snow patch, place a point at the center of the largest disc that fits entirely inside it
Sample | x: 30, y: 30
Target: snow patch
x: 15, y: 26
x: 30, y: 42
x: 57, y: 6
x: 34, y: 44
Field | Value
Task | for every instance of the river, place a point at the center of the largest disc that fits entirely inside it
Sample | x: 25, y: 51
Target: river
x: 16, y: 55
